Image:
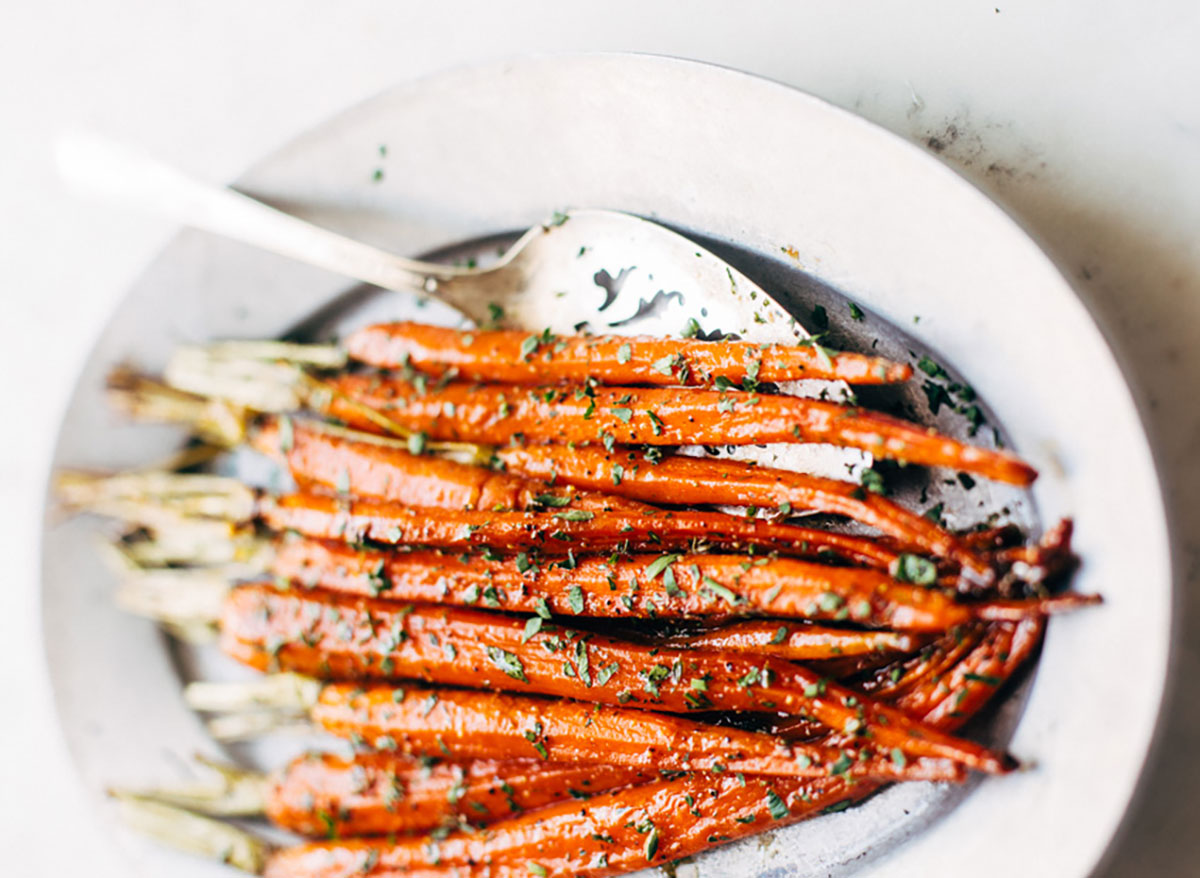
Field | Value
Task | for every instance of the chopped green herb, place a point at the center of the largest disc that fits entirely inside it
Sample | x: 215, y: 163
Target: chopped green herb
x: 575, y: 599
x: 873, y: 481
x: 914, y: 569
x: 551, y: 500
x: 659, y: 564
x: 508, y: 663
x: 416, y: 443
x: 829, y: 601
x: 931, y: 368
x: 652, y: 844
x: 575, y: 515
x: 532, y: 627
x: 776, y: 806
x: 856, y: 313
x: 984, y: 678
x: 720, y: 591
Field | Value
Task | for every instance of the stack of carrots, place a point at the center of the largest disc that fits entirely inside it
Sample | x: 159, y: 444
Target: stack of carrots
x: 565, y: 661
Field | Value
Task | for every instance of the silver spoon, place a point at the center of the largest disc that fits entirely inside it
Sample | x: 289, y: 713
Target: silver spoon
x: 597, y: 270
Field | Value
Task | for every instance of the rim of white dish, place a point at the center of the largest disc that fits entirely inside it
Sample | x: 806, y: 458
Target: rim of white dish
x: 703, y: 85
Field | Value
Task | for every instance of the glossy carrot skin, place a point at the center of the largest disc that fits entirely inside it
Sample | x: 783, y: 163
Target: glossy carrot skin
x: 367, y: 469
x: 489, y: 725
x: 608, y: 835
x: 682, y: 480
x: 798, y: 642
x: 503, y: 356
x: 321, y: 794
x: 932, y: 662
x: 354, y: 520
x: 494, y: 414
x: 645, y: 586
x: 689, y: 815
x: 339, y: 637
x: 693, y: 585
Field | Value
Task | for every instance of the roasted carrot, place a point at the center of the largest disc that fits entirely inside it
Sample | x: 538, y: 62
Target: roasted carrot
x: 620, y: 832
x: 611, y: 834
x: 495, y: 414
x: 333, y: 636
x: 798, y: 642
x: 664, y: 586
x: 372, y: 469
x: 485, y: 725
x: 512, y: 357
x: 931, y: 662
x: 681, y: 480
x: 344, y: 518
x: 320, y: 794
x: 971, y: 683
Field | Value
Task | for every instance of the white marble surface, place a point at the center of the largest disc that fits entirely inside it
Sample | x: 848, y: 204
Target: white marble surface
x: 1080, y: 118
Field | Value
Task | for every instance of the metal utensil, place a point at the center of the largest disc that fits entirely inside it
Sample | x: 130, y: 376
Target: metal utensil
x: 600, y: 268
x: 584, y: 269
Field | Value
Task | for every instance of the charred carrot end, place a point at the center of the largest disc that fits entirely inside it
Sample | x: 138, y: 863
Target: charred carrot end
x: 975, y: 680
x: 510, y: 357
x: 493, y: 414
x: 1016, y: 610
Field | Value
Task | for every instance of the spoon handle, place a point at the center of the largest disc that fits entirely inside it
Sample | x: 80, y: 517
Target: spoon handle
x: 97, y: 166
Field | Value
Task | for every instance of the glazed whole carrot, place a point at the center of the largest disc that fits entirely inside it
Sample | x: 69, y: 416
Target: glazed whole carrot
x: 484, y: 725
x: 665, y: 585
x: 372, y: 469
x: 615, y: 833
x: 513, y: 357
x: 495, y: 414
x: 321, y: 794
x: 354, y: 520
x: 799, y: 642
x: 682, y: 480
x: 339, y: 637
x: 611, y: 834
